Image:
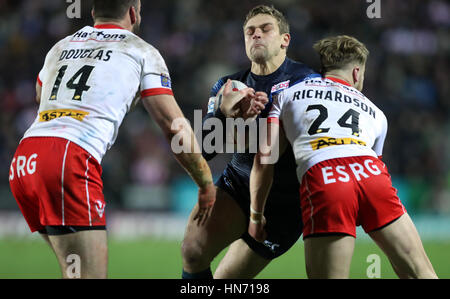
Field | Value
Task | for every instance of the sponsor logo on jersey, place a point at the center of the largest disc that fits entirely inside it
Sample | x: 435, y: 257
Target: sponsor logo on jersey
x: 57, y: 113
x: 280, y: 86
x: 211, y: 104
x: 165, y: 81
x: 330, y: 141
x: 82, y: 36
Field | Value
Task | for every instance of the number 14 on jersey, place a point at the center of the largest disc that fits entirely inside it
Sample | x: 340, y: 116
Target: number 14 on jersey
x: 82, y: 75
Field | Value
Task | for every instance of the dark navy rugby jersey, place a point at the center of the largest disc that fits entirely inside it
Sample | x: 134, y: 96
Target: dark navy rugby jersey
x: 289, y: 73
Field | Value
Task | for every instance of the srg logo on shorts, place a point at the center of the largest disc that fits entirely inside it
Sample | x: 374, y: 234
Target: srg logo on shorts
x: 359, y: 171
x: 24, y: 166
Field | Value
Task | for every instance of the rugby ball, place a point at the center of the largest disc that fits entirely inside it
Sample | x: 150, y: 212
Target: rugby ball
x: 235, y: 86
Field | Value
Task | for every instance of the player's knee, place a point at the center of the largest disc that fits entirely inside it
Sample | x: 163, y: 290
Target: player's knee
x: 193, y: 253
x: 418, y: 264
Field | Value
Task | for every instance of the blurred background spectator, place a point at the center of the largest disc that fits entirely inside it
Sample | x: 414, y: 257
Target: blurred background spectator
x: 407, y: 76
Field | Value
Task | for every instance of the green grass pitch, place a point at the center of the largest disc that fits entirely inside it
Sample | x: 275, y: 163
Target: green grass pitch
x: 151, y: 258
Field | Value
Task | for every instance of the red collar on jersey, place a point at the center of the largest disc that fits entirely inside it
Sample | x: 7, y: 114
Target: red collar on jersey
x: 338, y: 80
x: 108, y: 26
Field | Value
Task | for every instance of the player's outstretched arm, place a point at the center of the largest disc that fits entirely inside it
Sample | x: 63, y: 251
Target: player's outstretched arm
x: 166, y: 112
x: 261, y: 178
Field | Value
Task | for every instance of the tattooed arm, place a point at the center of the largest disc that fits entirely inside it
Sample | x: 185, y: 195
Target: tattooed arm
x: 168, y: 115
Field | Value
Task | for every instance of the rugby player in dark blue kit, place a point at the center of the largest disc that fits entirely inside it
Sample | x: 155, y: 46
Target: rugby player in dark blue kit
x: 267, y: 37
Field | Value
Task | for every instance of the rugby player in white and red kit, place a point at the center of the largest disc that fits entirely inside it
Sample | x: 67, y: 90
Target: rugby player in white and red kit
x: 337, y: 135
x: 88, y: 83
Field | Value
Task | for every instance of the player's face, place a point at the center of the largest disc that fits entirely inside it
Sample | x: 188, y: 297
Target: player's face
x: 263, y: 40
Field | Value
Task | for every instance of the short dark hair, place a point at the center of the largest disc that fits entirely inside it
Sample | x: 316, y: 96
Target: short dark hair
x: 283, y: 24
x: 112, y: 9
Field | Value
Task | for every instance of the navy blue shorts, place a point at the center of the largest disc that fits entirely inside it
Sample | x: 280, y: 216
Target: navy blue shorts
x: 283, y: 214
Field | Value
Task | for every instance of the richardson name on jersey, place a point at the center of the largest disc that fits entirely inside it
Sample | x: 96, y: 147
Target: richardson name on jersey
x: 332, y: 95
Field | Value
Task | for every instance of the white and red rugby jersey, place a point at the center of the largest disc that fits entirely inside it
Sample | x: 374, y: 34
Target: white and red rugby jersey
x: 89, y: 82
x: 326, y: 118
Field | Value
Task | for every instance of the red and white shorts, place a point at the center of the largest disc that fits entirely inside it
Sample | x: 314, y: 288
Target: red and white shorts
x: 56, y: 182
x: 339, y: 194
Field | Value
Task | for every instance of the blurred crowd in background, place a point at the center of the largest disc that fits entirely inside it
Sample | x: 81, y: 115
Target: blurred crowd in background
x: 407, y: 76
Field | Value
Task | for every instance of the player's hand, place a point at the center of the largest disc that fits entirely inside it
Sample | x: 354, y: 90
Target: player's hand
x: 251, y: 107
x: 256, y: 229
x: 206, y: 199
x: 230, y: 105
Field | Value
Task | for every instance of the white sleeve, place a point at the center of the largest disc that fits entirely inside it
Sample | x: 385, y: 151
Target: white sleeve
x: 155, y: 78
x: 43, y: 75
x: 379, y: 141
x: 277, y: 105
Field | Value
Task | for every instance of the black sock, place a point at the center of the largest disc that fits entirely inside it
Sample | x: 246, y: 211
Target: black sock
x: 205, y: 274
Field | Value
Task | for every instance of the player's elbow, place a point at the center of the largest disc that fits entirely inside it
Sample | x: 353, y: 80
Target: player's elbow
x: 267, y: 158
x: 262, y: 162
x: 174, y: 127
